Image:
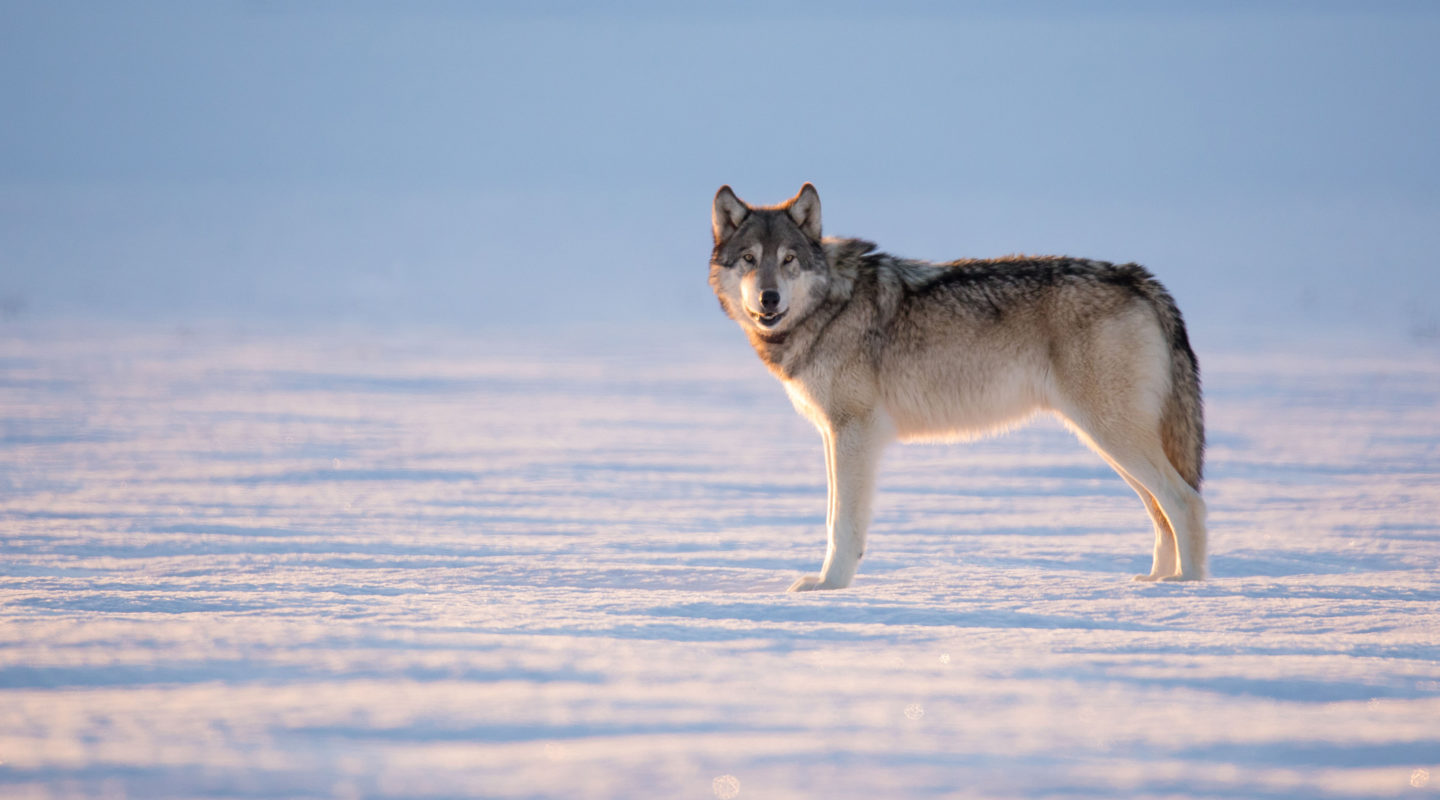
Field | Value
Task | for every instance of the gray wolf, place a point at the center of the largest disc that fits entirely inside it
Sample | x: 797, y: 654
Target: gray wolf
x: 872, y: 348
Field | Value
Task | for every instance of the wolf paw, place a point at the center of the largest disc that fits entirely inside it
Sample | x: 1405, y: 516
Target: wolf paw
x: 808, y: 583
x: 1166, y: 578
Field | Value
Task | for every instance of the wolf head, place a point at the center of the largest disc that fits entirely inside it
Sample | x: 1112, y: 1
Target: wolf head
x: 768, y: 267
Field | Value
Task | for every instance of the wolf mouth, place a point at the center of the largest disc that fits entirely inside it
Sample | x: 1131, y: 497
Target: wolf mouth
x: 769, y: 320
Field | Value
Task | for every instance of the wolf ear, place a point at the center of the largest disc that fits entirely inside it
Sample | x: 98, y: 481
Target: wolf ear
x: 804, y: 208
x: 727, y: 213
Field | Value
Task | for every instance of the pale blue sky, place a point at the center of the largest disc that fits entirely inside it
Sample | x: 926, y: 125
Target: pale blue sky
x: 465, y: 162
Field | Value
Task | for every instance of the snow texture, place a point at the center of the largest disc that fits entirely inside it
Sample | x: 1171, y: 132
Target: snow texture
x: 417, y: 566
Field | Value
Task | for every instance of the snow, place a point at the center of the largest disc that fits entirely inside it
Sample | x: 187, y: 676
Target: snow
x: 282, y: 563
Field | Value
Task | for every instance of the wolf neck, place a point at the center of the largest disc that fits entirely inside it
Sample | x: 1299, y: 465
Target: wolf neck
x: 773, y: 348
x: 759, y: 339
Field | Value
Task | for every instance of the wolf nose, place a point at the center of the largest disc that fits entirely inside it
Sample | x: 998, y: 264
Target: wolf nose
x: 769, y: 300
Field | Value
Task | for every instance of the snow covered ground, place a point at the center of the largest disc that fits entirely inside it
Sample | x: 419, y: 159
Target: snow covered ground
x: 357, y: 565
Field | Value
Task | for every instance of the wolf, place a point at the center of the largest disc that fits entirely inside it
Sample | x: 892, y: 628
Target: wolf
x: 872, y: 348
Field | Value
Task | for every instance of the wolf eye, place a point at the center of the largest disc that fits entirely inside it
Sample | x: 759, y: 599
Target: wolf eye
x: 788, y: 258
x: 749, y: 258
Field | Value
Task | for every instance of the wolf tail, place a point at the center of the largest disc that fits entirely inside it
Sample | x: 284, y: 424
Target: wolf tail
x: 1182, y: 419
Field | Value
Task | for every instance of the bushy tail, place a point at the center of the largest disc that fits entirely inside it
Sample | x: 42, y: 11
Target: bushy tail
x: 1182, y: 420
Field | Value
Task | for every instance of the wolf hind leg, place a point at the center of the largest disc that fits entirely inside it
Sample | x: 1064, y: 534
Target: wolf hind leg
x: 1175, y: 508
x: 1165, y: 560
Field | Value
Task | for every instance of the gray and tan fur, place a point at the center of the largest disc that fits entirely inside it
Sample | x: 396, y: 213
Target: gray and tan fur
x: 873, y: 348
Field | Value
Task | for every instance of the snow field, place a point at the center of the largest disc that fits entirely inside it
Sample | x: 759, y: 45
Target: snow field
x: 413, y: 566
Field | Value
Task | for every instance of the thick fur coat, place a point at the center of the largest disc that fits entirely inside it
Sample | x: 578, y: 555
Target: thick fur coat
x: 872, y: 348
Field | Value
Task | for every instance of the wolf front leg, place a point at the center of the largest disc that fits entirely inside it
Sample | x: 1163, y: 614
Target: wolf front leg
x: 852, y: 456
